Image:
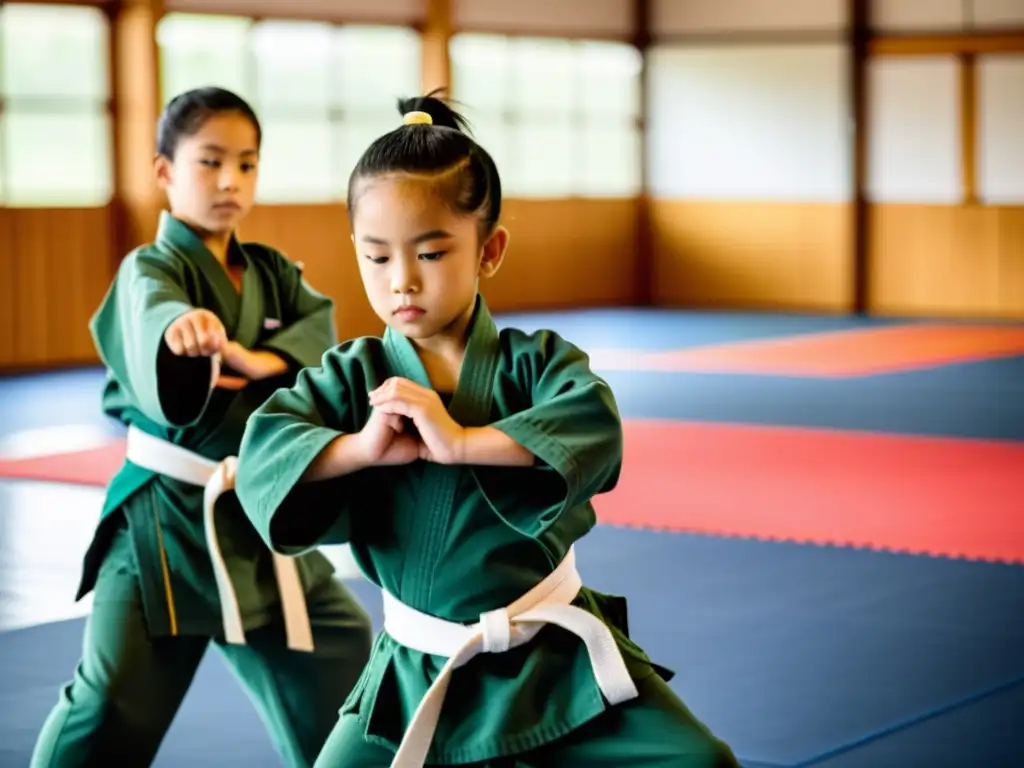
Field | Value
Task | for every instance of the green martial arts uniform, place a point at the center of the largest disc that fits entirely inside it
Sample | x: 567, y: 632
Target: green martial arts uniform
x: 156, y: 603
x: 458, y: 541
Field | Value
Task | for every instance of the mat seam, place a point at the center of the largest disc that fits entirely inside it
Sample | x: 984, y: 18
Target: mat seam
x: 909, y: 723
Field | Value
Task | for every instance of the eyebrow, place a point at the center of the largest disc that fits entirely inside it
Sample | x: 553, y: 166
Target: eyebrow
x: 434, y: 234
x: 218, y: 148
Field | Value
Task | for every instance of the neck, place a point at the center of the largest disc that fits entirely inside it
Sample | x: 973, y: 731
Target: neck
x: 443, y: 346
x: 218, y: 246
x: 216, y: 242
x: 445, y: 350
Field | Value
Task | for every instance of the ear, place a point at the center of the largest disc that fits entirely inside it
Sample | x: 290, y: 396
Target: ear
x: 494, y: 252
x: 163, y: 169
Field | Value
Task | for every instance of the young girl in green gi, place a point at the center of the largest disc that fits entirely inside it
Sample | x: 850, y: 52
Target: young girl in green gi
x: 196, y: 331
x: 460, y: 464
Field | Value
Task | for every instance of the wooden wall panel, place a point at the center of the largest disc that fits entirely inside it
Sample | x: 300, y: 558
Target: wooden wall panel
x: 319, y: 237
x: 565, y: 253
x: 57, y: 272
x: 765, y: 255
x: 947, y: 260
x: 562, y: 253
x: 8, y: 282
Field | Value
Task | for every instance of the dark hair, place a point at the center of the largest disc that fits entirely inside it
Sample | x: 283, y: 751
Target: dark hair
x: 185, y: 114
x: 443, y: 147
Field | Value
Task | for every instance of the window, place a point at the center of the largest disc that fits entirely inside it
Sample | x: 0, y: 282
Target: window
x: 322, y: 92
x: 55, y: 132
x: 560, y: 117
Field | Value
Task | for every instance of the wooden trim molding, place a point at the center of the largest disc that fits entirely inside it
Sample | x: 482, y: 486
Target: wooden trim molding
x: 937, y: 45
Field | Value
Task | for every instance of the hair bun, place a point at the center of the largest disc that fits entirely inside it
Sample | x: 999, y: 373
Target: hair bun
x: 436, y: 112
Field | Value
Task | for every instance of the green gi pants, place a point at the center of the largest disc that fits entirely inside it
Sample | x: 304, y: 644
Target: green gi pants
x: 127, y: 687
x: 655, y: 730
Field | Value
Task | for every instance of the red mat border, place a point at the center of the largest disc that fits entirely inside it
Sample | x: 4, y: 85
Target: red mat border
x: 710, y: 448
x: 910, y: 529
x: 773, y: 356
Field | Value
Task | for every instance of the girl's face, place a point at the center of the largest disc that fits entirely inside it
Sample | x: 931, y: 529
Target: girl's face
x: 211, y: 182
x: 420, y: 261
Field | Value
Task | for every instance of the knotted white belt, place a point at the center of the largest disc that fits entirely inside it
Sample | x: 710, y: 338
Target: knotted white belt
x: 215, y: 478
x: 496, y: 632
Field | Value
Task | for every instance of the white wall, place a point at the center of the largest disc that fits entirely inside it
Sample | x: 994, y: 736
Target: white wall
x: 914, y: 130
x: 749, y: 122
x: 1001, y: 129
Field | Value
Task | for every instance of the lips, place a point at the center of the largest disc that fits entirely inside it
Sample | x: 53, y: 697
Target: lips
x: 409, y: 313
x: 228, y: 206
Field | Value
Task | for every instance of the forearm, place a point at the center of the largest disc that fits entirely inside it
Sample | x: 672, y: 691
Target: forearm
x: 488, y: 446
x: 342, y: 456
x: 263, y: 364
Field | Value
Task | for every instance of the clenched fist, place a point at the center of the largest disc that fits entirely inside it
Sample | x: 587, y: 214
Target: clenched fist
x: 198, y: 333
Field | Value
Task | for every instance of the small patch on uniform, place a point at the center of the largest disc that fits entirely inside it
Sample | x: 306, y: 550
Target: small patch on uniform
x: 271, y: 323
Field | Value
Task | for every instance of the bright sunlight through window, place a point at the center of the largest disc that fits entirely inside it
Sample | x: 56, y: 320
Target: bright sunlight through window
x: 560, y: 117
x: 322, y: 92
x: 55, y: 126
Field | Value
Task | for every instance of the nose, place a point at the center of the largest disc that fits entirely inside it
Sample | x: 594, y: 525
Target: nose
x: 404, y: 276
x: 229, y: 176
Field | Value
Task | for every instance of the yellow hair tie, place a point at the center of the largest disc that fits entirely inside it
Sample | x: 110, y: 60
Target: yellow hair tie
x: 418, y: 118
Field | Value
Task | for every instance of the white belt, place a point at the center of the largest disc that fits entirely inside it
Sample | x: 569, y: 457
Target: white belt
x: 215, y: 478
x: 496, y: 632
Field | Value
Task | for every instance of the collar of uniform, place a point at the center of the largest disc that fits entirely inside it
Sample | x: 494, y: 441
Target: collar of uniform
x: 241, y: 314
x: 471, y: 403
x: 176, y: 235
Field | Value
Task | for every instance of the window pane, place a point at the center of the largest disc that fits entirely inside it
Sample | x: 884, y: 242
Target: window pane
x: 374, y: 66
x: 292, y: 63
x: 609, y: 160
x: 481, y: 73
x: 353, y: 136
x: 543, y: 77
x: 295, y: 162
x: 202, y: 50
x: 45, y: 168
x: 54, y: 51
x: 492, y: 132
x: 609, y: 78
x: 541, y: 159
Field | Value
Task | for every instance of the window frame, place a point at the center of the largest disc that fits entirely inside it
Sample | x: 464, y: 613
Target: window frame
x: 335, y: 115
x: 579, y: 119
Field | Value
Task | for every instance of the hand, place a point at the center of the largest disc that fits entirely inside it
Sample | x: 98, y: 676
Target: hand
x: 441, y: 439
x: 198, y: 333
x: 383, y: 440
x: 252, y: 365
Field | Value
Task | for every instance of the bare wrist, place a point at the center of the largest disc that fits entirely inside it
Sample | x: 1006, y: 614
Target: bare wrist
x: 354, y: 450
x: 460, y: 448
x: 344, y: 455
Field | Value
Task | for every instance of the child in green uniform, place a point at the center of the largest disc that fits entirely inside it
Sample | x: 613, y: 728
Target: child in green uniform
x: 460, y: 464
x: 196, y: 331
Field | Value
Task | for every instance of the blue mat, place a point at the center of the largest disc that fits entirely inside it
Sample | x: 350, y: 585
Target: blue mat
x: 57, y: 399
x: 980, y: 400
x: 983, y: 732
x: 791, y: 653
x: 657, y: 329
x: 975, y: 400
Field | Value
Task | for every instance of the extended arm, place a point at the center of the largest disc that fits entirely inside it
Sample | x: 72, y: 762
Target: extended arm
x: 129, y: 328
